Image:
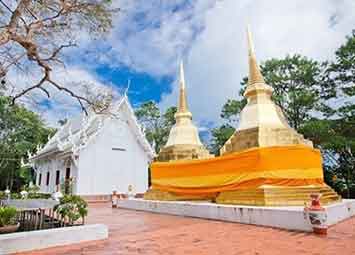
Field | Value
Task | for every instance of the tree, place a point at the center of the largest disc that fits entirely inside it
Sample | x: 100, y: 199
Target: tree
x: 157, y: 125
x: 343, y: 68
x: 20, y: 131
x: 335, y: 135
x: 34, y: 34
x: 336, y: 139
x: 232, y: 108
x: 219, y: 137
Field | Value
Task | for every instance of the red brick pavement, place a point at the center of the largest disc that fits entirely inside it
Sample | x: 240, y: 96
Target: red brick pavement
x: 132, y: 232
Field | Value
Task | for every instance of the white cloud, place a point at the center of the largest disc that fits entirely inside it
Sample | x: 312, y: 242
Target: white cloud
x: 217, y: 59
x: 150, y: 36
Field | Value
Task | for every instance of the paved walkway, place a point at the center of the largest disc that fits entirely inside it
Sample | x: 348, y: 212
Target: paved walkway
x: 133, y: 232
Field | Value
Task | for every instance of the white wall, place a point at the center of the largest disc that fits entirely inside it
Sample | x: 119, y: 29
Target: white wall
x: 102, y: 170
x: 52, y: 165
x: 43, y: 167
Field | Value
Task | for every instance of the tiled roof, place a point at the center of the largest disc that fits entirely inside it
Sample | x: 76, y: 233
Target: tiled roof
x: 79, y: 130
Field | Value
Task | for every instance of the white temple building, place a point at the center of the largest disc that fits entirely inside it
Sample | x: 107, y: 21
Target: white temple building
x: 95, y: 155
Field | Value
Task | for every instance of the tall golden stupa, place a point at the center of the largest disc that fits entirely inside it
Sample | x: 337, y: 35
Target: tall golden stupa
x: 262, y: 123
x: 184, y: 141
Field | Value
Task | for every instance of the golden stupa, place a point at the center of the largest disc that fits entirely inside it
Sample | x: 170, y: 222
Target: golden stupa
x: 262, y: 123
x: 265, y: 162
x: 184, y: 141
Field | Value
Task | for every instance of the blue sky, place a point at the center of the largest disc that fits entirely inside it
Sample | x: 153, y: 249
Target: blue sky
x: 149, y: 38
x: 143, y: 87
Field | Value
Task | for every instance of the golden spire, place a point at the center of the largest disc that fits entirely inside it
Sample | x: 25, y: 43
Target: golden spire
x: 182, y: 99
x: 255, y: 75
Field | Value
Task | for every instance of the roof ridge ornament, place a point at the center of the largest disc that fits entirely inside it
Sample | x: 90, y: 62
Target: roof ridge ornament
x: 126, y: 90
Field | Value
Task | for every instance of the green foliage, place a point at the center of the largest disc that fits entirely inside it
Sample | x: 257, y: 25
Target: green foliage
x: 232, y: 108
x: 219, y: 137
x: 2, y: 195
x: 148, y: 112
x: 72, y: 207
x: 338, y: 143
x: 33, y: 189
x: 38, y: 195
x: 7, y: 216
x: 336, y: 140
x: 20, y: 131
x: 67, y: 185
x: 344, y: 65
x: 15, y: 196
x: 31, y: 195
x: 157, y: 125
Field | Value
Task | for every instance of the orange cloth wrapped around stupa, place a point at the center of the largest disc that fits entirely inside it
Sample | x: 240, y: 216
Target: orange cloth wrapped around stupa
x: 279, y: 165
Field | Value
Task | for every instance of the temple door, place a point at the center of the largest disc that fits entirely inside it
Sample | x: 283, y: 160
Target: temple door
x: 67, y: 181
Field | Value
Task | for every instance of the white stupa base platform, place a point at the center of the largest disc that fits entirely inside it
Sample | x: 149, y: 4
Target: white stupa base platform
x: 291, y: 217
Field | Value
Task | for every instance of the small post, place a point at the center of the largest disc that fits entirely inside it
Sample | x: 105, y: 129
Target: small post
x: 8, y: 194
x: 24, y: 194
x: 57, y: 195
x: 36, y: 219
x: 130, y: 192
x: 41, y: 218
x: 114, y: 199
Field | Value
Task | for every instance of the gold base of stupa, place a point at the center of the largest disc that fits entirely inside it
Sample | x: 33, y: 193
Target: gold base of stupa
x: 263, y: 137
x: 183, y: 152
x: 278, y: 196
x: 262, y: 196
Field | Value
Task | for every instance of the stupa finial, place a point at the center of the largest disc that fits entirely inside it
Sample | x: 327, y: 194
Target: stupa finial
x: 182, y: 75
x: 182, y: 99
x: 251, y: 48
x: 255, y: 75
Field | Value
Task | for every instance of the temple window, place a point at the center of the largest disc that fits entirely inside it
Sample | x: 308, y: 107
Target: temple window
x: 48, y: 176
x: 57, y: 177
x: 67, y: 181
x: 67, y: 173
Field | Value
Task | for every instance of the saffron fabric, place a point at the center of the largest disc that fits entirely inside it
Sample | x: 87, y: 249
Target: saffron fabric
x: 293, y: 165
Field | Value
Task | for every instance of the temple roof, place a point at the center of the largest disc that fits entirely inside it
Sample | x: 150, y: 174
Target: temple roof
x: 80, y: 129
